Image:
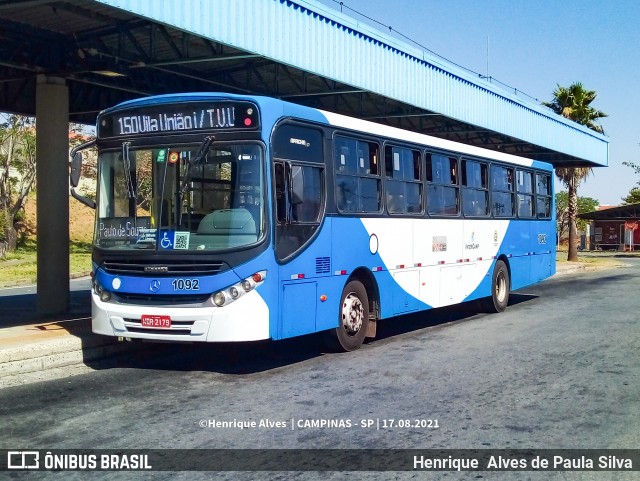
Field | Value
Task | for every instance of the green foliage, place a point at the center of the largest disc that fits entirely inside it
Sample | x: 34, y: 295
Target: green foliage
x: 22, y: 268
x: 633, y: 197
x: 17, y: 171
x: 585, y: 204
x: 574, y: 102
x: 4, y: 225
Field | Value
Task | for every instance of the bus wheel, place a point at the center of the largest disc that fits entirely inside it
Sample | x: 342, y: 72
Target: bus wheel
x: 500, y: 287
x: 353, y: 319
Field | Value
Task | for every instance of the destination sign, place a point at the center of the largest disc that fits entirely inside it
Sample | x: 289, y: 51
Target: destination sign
x: 180, y: 118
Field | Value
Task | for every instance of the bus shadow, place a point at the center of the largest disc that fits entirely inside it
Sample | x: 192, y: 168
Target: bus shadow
x: 224, y: 358
x: 22, y: 310
x: 467, y: 311
x: 256, y: 357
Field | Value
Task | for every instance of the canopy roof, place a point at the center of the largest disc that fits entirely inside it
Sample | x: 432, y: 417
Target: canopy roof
x: 623, y: 212
x: 108, y: 51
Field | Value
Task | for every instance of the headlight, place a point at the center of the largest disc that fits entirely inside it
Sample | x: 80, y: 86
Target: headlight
x: 101, y: 292
x: 236, y: 291
x: 218, y: 299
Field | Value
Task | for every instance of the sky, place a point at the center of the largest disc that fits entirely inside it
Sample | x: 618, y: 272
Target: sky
x: 533, y: 46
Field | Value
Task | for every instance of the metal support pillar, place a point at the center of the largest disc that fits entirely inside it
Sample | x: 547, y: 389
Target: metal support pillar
x: 52, y: 184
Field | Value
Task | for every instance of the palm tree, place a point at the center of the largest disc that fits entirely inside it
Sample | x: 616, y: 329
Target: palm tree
x: 574, y: 102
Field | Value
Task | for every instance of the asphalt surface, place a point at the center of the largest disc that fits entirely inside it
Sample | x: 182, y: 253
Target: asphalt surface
x: 559, y: 369
x: 36, y: 348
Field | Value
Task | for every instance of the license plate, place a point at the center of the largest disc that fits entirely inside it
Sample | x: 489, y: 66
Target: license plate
x: 159, y: 322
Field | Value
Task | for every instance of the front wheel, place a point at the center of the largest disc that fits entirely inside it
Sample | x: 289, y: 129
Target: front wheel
x: 353, y: 319
x: 500, y: 287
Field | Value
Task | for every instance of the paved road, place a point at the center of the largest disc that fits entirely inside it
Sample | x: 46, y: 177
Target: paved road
x: 80, y: 284
x: 559, y: 369
x: 18, y: 304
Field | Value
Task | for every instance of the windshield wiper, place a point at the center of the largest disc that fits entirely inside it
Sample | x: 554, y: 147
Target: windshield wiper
x: 131, y: 189
x: 197, y: 160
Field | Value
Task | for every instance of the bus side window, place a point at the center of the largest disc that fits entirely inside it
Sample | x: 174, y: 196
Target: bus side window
x: 299, y: 185
x: 543, y: 197
x: 525, y: 193
x: 306, y: 193
x: 281, y: 201
x: 475, y: 189
x: 357, y: 179
x: 403, y: 180
x: 502, y: 191
x: 442, y: 185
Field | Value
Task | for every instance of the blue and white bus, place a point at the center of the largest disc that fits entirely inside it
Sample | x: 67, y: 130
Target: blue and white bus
x: 224, y: 218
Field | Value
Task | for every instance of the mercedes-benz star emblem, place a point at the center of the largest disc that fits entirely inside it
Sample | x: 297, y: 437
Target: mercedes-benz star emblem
x: 154, y: 286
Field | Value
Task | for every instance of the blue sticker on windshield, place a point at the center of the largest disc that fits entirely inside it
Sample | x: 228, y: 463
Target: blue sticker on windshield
x: 170, y: 240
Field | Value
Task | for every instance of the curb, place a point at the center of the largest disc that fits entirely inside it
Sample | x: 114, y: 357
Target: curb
x: 49, y: 355
x: 63, y: 346
x: 572, y: 267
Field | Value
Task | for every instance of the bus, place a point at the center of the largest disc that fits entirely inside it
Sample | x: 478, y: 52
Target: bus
x: 226, y: 218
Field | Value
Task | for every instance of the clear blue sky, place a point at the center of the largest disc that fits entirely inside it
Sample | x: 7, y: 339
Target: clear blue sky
x: 534, y: 45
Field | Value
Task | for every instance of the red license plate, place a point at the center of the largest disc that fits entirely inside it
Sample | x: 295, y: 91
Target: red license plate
x: 159, y: 322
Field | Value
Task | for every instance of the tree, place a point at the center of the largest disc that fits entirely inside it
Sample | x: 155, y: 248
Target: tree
x: 574, y: 102
x: 633, y: 197
x: 17, y: 174
x: 585, y: 204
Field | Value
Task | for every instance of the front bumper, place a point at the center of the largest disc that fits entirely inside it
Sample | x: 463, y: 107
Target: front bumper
x: 246, y: 319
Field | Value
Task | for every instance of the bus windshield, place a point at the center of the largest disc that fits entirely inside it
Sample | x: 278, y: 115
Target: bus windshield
x: 207, y: 197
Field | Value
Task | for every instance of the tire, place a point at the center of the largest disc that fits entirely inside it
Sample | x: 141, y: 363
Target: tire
x: 500, y: 288
x: 353, y: 319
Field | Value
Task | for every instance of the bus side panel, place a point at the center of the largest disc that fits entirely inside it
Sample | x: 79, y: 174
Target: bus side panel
x: 299, y: 308
x: 302, y: 282
x: 385, y: 248
x: 543, y: 262
x: 452, y: 256
x: 520, y: 271
x: 530, y: 256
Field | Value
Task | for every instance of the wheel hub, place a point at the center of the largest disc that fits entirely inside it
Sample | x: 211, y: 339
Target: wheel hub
x: 352, y: 313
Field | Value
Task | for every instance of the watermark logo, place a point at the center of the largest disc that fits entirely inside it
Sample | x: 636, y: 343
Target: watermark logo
x: 23, y: 460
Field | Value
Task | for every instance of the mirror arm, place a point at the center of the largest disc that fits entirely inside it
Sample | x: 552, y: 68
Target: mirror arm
x: 85, y: 200
x: 82, y: 146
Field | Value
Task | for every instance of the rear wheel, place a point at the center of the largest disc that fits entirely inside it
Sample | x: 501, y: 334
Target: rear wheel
x: 500, y: 288
x: 353, y: 319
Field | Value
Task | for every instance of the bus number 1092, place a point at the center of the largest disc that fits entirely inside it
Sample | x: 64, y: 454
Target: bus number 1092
x: 185, y: 284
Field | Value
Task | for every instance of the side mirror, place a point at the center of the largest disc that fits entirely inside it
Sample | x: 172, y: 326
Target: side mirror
x: 76, y: 167
x: 74, y: 173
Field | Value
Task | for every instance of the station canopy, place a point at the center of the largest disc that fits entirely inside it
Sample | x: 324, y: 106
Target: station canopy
x: 303, y: 51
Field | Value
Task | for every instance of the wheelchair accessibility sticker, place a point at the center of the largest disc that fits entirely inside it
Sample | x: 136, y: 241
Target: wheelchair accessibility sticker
x: 173, y: 240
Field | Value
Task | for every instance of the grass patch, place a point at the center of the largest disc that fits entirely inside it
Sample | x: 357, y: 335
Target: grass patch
x: 597, y: 258
x: 20, y: 267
